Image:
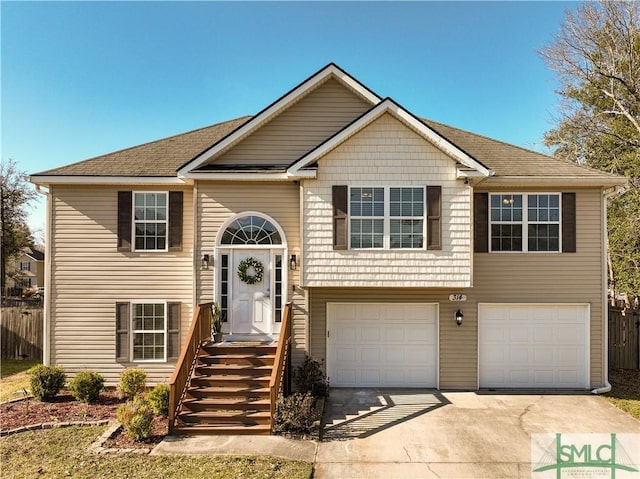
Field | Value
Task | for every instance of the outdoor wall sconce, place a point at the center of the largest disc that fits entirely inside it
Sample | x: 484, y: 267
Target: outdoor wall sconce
x: 205, y: 261
x: 459, y: 317
x: 293, y: 262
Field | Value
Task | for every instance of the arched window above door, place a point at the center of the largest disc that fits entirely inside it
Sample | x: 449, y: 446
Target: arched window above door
x: 249, y: 230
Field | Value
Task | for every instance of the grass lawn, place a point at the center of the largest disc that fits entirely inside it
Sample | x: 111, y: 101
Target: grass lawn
x: 63, y: 453
x: 625, y: 392
x: 14, y: 377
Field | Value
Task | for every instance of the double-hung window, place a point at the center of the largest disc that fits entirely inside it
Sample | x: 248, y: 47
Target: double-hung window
x: 525, y: 222
x: 149, y: 328
x: 150, y: 221
x: 386, y: 217
x: 25, y: 266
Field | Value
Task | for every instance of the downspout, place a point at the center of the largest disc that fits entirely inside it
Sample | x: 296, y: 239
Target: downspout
x: 606, y: 194
x: 46, y: 323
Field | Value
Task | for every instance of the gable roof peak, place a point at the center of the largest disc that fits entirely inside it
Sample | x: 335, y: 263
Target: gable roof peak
x: 388, y: 105
x: 329, y: 71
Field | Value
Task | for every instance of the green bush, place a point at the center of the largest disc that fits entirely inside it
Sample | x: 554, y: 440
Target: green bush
x: 87, y: 386
x: 132, y: 382
x: 308, y: 377
x: 46, y: 381
x: 296, y: 413
x: 136, y: 417
x: 159, y: 399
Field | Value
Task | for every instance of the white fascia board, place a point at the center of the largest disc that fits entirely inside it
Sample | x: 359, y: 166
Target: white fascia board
x: 238, y: 176
x: 577, y: 181
x: 389, y: 106
x: 257, y: 121
x: 106, y: 180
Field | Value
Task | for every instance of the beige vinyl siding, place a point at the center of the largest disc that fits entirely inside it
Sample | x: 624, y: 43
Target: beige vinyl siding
x: 457, y: 361
x: 304, y: 125
x: 89, y: 276
x: 553, y: 277
x: 387, y: 153
x: 219, y: 201
x: 498, y: 277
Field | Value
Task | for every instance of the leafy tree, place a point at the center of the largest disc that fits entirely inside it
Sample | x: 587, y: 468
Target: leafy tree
x: 15, y: 194
x: 596, y: 56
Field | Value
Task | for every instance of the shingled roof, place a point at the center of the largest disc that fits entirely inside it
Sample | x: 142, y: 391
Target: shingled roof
x: 162, y: 158
x: 155, y: 159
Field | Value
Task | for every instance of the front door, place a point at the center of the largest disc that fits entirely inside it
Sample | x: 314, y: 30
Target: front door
x: 251, y: 305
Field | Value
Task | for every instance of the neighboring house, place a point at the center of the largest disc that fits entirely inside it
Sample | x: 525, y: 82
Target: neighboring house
x: 28, y: 269
x: 379, y: 226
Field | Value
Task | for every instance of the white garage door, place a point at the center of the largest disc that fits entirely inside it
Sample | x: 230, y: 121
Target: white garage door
x: 382, y: 345
x: 533, y: 345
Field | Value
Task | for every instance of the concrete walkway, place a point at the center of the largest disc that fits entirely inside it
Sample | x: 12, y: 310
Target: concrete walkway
x: 394, y: 433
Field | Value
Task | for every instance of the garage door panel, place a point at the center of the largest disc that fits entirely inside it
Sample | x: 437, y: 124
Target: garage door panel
x: 382, y: 345
x: 370, y: 334
x: 520, y: 335
x: 531, y: 345
x: 519, y: 356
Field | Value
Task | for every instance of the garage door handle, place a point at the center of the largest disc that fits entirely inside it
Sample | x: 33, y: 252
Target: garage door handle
x: 328, y: 335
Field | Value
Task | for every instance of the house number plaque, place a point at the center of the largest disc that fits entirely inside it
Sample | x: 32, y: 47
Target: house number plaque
x: 457, y: 297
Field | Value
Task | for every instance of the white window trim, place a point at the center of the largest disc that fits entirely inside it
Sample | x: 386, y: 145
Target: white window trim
x: 28, y: 263
x: 386, y: 228
x: 133, y: 222
x: 525, y: 221
x: 134, y: 331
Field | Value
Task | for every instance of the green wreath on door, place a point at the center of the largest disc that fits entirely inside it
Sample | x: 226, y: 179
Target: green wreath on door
x: 258, y: 270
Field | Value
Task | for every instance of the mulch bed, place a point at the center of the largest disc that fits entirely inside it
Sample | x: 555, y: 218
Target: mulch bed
x: 64, y: 408
x: 625, y: 382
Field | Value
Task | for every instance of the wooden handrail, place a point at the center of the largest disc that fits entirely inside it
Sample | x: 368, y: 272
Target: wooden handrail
x: 200, y: 331
x: 281, y: 362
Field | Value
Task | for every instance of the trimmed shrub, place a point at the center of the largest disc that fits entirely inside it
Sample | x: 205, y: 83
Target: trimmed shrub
x: 87, y: 386
x: 136, y: 417
x: 296, y: 413
x: 132, y: 382
x: 46, y: 381
x: 308, y: 377
x: 159, y: 399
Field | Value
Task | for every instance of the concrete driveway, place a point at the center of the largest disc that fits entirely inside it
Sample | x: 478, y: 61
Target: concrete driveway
x: 393, y: 433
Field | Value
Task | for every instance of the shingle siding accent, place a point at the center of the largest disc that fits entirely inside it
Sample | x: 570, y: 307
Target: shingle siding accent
x: 386, y: 153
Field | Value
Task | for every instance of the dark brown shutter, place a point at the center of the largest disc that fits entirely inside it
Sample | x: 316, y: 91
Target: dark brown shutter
x: 173, y: 331
x: 124, y: 220
x: 123, y: 315
x: 175, y: 220
x: 481, y: 222
x: 434, y: 217
x: 568, y: 222
x: 340, y: 198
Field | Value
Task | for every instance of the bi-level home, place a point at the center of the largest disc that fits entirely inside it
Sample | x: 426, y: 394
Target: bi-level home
x: 412, y: 253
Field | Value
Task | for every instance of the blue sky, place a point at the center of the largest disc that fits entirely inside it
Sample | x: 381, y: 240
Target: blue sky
x: 80, y: 79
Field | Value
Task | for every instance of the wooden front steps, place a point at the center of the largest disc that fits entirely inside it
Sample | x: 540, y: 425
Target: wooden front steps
x: 228, y: 391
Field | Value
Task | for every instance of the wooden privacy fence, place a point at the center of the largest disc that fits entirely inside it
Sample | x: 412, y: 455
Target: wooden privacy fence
x: 21, y: 335
x: 624, y: 338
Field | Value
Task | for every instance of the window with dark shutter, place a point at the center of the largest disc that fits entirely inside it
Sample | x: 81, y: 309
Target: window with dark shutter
x: 434, y: 217
x: 124, y: 220
x: 340, y: 197
x: 173, y: 331
x: 123, y: 344
x: 568, y: 222
x: 175, y: 220
x: 481, y: 222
